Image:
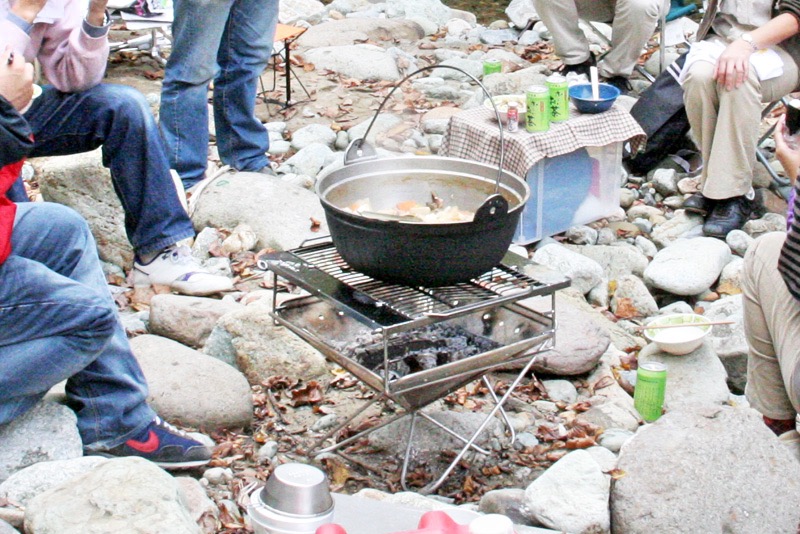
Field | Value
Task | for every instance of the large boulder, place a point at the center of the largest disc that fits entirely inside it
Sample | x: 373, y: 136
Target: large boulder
x: 688, y: 266
x: 712, y: 469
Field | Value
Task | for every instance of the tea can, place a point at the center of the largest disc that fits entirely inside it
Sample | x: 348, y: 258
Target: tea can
x: 492, y: 66
x: 513, y: 116
x: 537, y: 115
x: 651, y: 386
x: 558, y: 90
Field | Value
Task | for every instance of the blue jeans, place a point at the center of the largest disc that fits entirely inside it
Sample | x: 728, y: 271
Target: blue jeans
x: 58, y: 322
x: 229, y: 42
x: 117, y: 118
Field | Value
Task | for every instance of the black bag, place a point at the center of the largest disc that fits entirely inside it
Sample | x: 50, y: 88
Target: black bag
x: 662, y: 116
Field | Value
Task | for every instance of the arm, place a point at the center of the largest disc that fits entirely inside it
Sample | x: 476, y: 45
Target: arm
x: 16, y: 80
x: 73, y: 50
x: 733, y: 65
x: 788, y: 156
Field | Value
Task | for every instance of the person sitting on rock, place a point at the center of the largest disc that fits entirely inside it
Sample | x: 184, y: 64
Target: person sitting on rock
x: 76, y: 113
x: 746, y: 57
x: 771, y: 299
x: 633, y: 25
x: 58, y: 320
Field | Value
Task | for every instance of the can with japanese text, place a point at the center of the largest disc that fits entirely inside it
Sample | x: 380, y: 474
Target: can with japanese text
x: 558, y: 89
x: 651, y: 386
x: 537, y: 115
x: 492, y: 66
x: 513, y: 116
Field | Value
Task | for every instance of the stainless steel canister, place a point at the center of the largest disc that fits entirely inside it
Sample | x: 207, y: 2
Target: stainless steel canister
x: 295, y: 500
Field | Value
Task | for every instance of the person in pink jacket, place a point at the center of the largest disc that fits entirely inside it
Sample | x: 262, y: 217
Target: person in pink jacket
x: 77, y: 113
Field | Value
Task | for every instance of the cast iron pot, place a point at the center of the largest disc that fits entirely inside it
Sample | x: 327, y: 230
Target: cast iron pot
x: 416, y: 253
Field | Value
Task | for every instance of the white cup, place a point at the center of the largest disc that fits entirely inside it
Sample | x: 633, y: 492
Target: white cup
x: 491, y: 524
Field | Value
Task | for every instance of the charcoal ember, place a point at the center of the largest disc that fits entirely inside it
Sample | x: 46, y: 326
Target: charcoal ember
x: 418, y: 350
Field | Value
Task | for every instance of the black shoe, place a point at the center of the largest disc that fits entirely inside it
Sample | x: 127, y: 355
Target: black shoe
x: 578, y: 68
x: 699, y: 204
x: 621, y: 83
x: 729, y: 214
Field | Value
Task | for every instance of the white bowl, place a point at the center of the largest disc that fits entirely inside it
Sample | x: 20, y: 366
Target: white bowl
x: 678, y: 340
x: 501, y: 101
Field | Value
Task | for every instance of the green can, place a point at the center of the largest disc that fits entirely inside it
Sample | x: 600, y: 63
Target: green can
x: 492, y: 66
x: 537, y: 115
x: 651, y: 386
x: 558, y: 89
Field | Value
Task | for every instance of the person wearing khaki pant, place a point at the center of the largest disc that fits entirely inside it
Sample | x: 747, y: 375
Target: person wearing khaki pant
x: 772, y: 328
x: 633, y: 24
x: 724, y: 100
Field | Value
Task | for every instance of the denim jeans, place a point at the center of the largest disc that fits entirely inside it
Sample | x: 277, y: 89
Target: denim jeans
x: 58, y: 322
x: 229, y: 42
x: 117, y: 118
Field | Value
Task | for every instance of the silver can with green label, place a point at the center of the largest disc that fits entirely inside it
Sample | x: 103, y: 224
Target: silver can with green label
x: 537, y: 115
x: 558, y: 89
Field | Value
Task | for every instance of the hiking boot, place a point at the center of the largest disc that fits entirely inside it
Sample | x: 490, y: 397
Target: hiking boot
x: 177, y: 268
x: 728, y: 214
x: 578, y: 68
x: 621, y: 83
x: 699, y: 204
x: 162, y: 444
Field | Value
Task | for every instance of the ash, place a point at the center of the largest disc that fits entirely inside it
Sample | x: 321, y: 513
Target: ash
x: 416, y: 350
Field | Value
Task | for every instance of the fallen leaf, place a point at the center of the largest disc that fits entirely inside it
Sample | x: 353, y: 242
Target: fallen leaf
x: 309, y: 394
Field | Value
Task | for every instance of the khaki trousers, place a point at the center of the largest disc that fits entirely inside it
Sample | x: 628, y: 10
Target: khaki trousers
x: 725, y: 124
x: 633, y: 24
x: 772, y: 328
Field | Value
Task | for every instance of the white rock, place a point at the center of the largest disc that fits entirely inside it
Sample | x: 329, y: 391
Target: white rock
x: 584, y: 272
x: 688, y: 266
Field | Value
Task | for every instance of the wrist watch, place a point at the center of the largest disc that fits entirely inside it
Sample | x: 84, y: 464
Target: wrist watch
x: 747, y: 38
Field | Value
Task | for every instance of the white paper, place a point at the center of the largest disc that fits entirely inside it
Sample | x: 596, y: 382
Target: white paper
x: 766, y: 62
x: 680, y: 30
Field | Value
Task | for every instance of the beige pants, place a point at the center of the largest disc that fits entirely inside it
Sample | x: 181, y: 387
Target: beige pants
x: 772, y: 327
x: 725, y: 124
x: 633, y: 24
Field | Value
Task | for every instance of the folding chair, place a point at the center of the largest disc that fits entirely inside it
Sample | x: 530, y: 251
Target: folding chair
x: 285, y: 35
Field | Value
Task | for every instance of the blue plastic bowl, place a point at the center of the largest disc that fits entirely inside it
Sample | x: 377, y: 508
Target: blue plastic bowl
x: 581, y: 96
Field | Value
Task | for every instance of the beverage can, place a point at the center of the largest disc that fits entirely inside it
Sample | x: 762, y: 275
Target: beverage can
x: 492, y: 66
x: 651, y: 386
x: 513, y: 116
x: 537, y: 115
x: 558, y: 90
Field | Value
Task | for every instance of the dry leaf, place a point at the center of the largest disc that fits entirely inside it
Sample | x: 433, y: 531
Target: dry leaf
x: 309, y: 394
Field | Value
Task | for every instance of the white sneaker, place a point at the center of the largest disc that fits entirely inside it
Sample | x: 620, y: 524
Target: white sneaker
x: 177, y: 268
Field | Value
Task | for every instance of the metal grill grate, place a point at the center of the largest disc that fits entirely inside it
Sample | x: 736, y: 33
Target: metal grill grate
x: 499, y: 284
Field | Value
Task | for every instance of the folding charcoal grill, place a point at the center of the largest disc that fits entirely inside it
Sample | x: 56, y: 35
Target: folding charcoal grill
x: 370, y: 328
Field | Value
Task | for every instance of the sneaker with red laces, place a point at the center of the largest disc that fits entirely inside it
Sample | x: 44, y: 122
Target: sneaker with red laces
x: 162, y: 444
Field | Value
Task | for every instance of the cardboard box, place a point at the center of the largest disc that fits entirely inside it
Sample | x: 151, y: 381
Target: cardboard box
x: 571, y: 189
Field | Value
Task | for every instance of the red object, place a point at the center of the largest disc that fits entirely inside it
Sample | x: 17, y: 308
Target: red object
x: 8, y: 175
x: 330, y: 528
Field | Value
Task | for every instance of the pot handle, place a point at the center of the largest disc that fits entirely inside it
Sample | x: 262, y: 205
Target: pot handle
x: 360, y: 150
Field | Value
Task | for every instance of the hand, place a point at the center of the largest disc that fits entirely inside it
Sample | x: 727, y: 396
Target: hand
x: 788, y: 156
x: 28, y: 9
x: 16, y: 79
x: 97, y: 12
x: 733, y: 66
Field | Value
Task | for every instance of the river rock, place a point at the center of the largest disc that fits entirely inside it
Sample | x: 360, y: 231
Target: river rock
x: 694, y: 379
x: 729, y: 340
x: 616, y: 260
x: 688, y: 266
x: 560, y: 391
x: 348, y: 31
x: 261, y: 349
x: 5, y: 528
x: 710, y: 469
x: 46, y: 432
x: 123, y: 494
x: 27, y: 483
x: 770, y: 222
x: 632, y: 299
x: 679, y: 226
x: 187, y: 320
x: 279, y: 213
x: 192, y: 388
x: 360, y: 61
x: 433, y: 10
x: 571, y: 496
x: 509, y: 502
x: 584, y: 272
x: 81, y: 182
x: 313, y: 133
x: 739, y: 241
x: 309, y: 160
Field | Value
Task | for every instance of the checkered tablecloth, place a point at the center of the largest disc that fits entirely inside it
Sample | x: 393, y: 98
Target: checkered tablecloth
x: 474, y: 135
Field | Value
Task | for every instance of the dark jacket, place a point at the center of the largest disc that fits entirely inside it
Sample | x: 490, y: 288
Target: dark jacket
x: 15, y: 144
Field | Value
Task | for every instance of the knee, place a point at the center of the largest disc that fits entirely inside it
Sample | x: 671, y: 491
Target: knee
x: 66, y: 223
x: 645, y: 9
x: 699, y: 78
x: 126, y: 103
